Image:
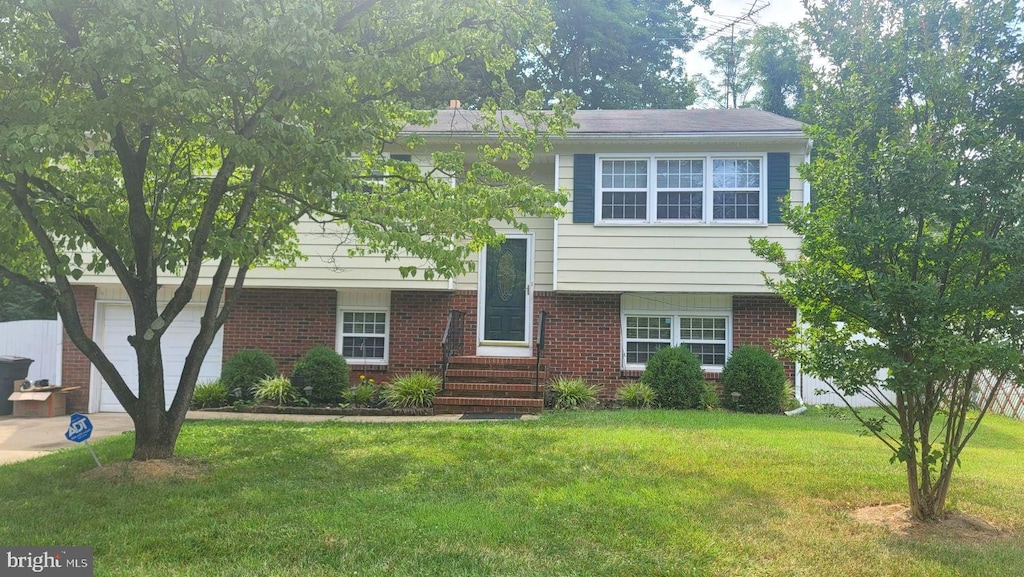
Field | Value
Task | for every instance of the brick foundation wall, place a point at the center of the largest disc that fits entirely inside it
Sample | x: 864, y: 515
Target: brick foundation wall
x: 759, y: 319
x: 284, y: 323
x: 583, y: 335
x: 418, y: 320
x: 75, y: 367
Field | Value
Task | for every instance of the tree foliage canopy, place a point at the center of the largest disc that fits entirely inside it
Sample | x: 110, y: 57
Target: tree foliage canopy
x: 610, y: 53
x: 187, y: 137
x: 764, y: 69
x: 912, y: 263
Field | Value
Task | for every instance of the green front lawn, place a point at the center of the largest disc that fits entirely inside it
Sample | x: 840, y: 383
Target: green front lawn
x: 606, y: 493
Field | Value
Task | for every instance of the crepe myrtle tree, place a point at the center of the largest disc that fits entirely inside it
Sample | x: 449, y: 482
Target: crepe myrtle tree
x: 184, y: 139
x: 910, y: 275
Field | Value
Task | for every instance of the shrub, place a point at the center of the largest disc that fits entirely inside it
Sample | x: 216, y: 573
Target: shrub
x: 710, y: 398
x: 324, y: 370
x: 758, y: 377
x: 212, y: 394
x: 676, y: 377
x: 789, y: 400
x: 573, y: 393
x: 637, y: 395
x: 416, y: 389
x: 277, y: 390
x: 361, y: 394
x: 245, y: 369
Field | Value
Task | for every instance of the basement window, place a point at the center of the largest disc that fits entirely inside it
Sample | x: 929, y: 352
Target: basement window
x: 364, y: 337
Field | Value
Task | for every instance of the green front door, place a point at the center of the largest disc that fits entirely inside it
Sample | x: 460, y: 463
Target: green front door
x: 505, y: 292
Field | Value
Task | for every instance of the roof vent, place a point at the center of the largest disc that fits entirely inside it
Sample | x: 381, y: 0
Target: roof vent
x: 455, y: 104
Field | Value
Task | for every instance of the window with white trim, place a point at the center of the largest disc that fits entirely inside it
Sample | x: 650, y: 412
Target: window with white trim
x: 682, y: 189
x: 707, y: 335
x: 364, y: 337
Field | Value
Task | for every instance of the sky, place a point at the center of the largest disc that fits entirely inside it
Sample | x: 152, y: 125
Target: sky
x: 783, y: 12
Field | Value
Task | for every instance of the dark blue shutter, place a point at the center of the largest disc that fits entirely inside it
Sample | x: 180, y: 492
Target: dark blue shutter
x: 778, y: 185
x: 404, y: 157
x: 584, y: 169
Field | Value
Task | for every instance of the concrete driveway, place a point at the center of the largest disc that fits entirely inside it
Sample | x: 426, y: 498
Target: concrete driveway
x: 22, y: 439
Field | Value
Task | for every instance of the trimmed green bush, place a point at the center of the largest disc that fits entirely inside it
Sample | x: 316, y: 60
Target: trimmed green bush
x: 326, y: 371
x: 276, y: 390
x: 212, y: 394
x: 676, y: 377
x: 361, y: 394
x: 758, y: 377
x: 637, y: 395
x: 245, y: 369
x: 710, y: 396
x: 416, y: 389
x: 573, y: 393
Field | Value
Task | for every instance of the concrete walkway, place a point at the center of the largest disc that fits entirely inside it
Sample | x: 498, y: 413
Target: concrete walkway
x: 22, y: 439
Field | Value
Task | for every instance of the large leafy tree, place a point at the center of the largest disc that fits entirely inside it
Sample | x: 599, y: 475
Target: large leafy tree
x: 610, y: 53
x: 187, y: 137
x: 912, y: 263
x: 764, y: 69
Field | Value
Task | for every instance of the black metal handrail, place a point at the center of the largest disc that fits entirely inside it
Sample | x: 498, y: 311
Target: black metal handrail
x: 541, y: 326
x: 451, y: 342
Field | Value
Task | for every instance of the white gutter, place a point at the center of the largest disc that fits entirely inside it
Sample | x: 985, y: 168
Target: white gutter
x: 554, y: 247
x: 807, y: 185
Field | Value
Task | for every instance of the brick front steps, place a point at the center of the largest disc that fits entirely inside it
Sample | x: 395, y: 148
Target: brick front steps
x: 492, y: 385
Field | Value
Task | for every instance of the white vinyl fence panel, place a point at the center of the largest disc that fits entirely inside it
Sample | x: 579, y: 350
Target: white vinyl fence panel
x: 36, y: 340
x: 816, y: 392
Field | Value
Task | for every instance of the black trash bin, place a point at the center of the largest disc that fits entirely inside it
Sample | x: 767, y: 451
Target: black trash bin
x: 11, y: 369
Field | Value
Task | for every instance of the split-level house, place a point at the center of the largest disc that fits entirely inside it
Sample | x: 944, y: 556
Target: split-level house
x: 653, y: 250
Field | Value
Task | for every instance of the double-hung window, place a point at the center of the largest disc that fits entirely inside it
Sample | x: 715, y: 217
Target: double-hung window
x: 624, y: 190
x: 364, y: 337
x: 682, y: 189
x: 706, y: 334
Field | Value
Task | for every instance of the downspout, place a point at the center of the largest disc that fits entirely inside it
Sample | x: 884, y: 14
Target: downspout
x: 554, y: 247
x: 798, y: 385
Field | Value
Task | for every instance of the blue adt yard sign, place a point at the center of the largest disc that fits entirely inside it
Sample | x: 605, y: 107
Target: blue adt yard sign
x: 79, y: 431
x: 80, y: 428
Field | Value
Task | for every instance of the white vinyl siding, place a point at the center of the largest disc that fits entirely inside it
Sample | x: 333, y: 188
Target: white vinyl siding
x: 689, y: 189
x: 665, y: 257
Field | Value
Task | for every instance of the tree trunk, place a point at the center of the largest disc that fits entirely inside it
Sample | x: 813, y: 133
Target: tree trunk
x: 155, y: 436
x: 155, y: 432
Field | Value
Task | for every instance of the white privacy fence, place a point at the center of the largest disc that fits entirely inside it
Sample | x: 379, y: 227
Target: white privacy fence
x: 816, y: 392
x: 1009, y: 399
x: 36, y: 340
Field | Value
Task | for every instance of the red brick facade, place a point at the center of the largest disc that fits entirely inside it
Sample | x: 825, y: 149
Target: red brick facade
x: 583, y: 331
x: 284, y: 323
x: 583, y: 334
x: 760, y: 319
x: 75, y: 367
x: 418, y: 320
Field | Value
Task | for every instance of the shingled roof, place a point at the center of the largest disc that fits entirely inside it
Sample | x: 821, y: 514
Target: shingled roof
x: 635, y: 122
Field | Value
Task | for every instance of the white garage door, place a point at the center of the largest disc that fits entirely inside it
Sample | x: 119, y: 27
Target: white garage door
x: 116, y: 323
